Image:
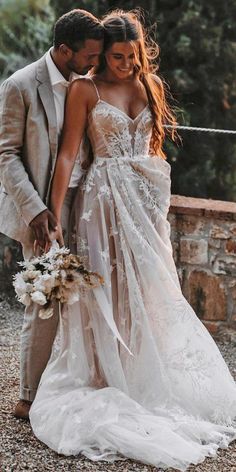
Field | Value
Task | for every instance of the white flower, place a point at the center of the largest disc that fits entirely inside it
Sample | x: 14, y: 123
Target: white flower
x: 25, y: 299
x: 27, y: 265
x: 105, y: 190
x: 39, y: 297
x: 29, y: 287
x: 56, y: 271
x: 46, y: 313
x: 105, y: 255
x: 45, y: 283
x: 63, y: 274
x: 30, y: 274
x: 38, y: 286
x: 20, y: 285
x: 73, y: 297
x: 86, y: 215
x: 55, y: 249
x: 49, y: 282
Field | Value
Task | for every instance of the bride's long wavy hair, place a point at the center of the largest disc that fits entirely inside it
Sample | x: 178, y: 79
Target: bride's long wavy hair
x: 123, y: 26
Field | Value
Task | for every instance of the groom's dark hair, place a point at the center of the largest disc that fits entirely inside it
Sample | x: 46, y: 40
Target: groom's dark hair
x: 74, y: 27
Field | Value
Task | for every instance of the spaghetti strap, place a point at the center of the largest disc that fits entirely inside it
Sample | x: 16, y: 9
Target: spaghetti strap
x: 97, y: 92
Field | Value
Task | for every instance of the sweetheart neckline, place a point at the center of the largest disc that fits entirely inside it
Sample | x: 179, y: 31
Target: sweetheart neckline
x: 119, y: 110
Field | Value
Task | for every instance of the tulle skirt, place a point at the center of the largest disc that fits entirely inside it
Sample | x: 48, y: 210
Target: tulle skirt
x: 133, y: 372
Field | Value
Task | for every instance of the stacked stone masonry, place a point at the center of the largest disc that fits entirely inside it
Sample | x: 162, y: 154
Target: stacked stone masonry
x: 203, y: 235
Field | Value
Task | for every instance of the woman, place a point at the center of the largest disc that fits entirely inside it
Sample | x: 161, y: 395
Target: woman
x: 133, y: 371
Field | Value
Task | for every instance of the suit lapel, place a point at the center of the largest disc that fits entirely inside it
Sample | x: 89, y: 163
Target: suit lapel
x: 46, y: 95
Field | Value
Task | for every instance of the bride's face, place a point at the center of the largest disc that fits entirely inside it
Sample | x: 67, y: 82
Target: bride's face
x: 120, y: 59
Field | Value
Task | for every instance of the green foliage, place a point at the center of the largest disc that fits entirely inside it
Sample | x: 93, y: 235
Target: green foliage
x: 26, y: 30
x: 66, y: 5
x: 198, y: 61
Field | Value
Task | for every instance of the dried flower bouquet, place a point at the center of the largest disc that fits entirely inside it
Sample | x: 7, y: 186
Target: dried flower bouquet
x: 56, y: 275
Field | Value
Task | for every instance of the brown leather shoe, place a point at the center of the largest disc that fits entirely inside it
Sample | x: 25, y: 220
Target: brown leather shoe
x: 22, y: 409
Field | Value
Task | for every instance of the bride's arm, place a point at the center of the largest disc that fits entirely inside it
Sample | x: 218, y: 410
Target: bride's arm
x: 76, y: 113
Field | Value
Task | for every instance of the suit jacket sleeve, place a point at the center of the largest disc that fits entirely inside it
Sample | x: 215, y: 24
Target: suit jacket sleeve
x: 13, y: 174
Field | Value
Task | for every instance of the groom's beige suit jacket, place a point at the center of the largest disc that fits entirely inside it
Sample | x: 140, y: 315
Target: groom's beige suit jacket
x: 28, y: 148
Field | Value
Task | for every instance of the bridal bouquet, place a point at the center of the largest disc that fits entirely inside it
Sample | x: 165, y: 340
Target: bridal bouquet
x: 56, y: 275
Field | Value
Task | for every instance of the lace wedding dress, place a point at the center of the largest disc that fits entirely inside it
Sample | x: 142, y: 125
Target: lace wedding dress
x: 133, y: 372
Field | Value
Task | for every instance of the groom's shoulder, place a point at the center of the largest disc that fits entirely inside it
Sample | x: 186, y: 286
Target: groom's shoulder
x: 27, y: 75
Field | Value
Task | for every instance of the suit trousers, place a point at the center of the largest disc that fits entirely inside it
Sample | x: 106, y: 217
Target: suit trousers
x: 37, y: 335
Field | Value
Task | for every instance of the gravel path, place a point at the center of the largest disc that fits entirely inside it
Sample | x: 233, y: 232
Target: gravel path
x: 21, y: 451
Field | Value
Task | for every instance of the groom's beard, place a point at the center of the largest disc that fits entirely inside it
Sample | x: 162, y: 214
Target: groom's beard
x: 75, y: 68
x: 85, y: 71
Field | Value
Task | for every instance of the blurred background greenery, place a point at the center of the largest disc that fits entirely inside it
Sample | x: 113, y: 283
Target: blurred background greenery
x: 198, y: 61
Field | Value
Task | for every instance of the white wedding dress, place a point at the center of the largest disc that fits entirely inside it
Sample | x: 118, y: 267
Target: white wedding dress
x: 133, y: 372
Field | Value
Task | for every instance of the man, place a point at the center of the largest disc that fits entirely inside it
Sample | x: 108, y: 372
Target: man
x: 31, y: 119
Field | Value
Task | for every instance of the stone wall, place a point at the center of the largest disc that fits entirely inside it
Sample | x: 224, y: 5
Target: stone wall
x: 203, y: 234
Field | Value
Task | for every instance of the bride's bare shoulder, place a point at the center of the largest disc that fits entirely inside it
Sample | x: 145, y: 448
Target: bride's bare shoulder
x: 82, y: 87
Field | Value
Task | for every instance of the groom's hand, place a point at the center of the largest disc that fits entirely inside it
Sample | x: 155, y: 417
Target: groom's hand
x: 41, y: 225
x: 58, y: 235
